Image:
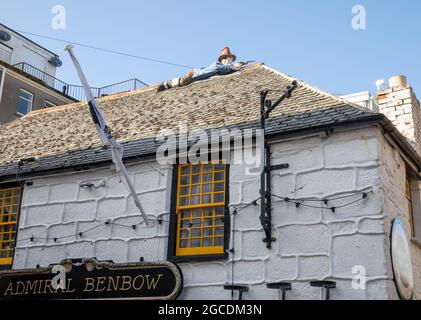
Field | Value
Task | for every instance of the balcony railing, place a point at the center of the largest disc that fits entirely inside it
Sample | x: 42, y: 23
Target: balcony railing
x: 74, y: 91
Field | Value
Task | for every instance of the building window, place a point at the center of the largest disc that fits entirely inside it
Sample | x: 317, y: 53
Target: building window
x: 408, y: 197
x: 200, y: 210
x: 413, y: 202
x: 48, y: 104
x: 25, y: 100
x: 9, y: 212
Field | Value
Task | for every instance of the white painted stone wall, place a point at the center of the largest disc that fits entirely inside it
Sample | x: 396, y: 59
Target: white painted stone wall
x: 57, y: 206
x: 392, y: 176
x: 312, y: 244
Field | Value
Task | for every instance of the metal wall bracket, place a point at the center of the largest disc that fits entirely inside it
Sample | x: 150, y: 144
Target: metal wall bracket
x: 266, y: 107
x: 279, y: 167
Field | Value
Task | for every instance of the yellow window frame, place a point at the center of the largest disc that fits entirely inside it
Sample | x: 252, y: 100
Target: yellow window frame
x: 200, y: 213
x: 9, y: 214
x: 408, y: 196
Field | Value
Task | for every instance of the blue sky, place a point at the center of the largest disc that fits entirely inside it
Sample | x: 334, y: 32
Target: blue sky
x: 311, y: 40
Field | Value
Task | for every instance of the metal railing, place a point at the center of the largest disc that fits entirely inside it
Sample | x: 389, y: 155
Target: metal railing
x: 74, y: 91
x: 122, y: 86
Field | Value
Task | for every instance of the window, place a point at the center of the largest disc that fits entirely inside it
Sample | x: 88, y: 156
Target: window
x: 408, y: 196
x: 25, y: 100
x: 9, y: 211
x: 200, y: 223
x: 413, y: 200
x: 48, y: 104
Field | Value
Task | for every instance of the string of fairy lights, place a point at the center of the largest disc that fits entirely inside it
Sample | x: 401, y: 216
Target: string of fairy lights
x: 135, y: 226
x: 325, y: 203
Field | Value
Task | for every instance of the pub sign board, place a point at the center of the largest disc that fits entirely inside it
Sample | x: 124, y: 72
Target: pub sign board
x: 90, y: 279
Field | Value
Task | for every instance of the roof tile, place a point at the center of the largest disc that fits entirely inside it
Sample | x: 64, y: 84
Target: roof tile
x: 60, y: 135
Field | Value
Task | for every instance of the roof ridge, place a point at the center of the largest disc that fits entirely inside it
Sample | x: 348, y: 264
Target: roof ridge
x: 317, y: 90
x: 243, y: 70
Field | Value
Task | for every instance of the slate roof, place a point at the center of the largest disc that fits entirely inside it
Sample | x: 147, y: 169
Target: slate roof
x: 65, y: 136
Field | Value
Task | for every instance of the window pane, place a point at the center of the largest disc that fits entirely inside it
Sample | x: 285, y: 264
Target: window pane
x: 23, y: 106
x: 185, y: 170
x: 185, y: 214
x: 195, y: 189
x: 207, y: 232
x: 218, y: 197
x: 184, y: 201
x: 195, y: 178
x: 195, y: 200
x: 207, y: 242
x: 219, y: 176
x: 185, y: 233
x: 218, y: 167
x: 197, y: 213
x: 208, y: 222
x: 185, y: 224
x: 185, y: 180
x: 25, y: 95
x: 207, y: 178
x: 220, y: 210
x: 195, y: 243
x: 208, y: 212
x: 219, y: 241
x: 197, y: 222
x: 48, y: 104
x: 220, y: 221
x: 24, y: 102
x: 184, y: 190
x: 219, y: 186
x: 219, y: 231
x: 207, y: 168
x: 206, y: 199
x: 207, y: 188
x: 196, y: 232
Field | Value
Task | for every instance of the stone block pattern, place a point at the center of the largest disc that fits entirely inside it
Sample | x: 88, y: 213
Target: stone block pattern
x: 392, y: 176
x: 402, y: 107
x: 312, y: 243
x: 57, y: 206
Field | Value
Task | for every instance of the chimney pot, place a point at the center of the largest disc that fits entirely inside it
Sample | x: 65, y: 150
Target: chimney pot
x: 398, y: 82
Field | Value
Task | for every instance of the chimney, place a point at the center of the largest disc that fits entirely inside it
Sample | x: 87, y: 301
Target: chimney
x: 401, y: 106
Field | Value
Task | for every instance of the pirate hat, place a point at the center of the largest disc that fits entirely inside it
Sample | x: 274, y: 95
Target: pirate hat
x: 225, y: 53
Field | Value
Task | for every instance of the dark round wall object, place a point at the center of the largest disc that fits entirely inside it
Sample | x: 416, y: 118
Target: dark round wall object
x: 4, y: 36
x: 55, y: 61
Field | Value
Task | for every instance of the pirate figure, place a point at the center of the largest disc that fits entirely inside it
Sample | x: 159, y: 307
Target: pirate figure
x: 224, y: 65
